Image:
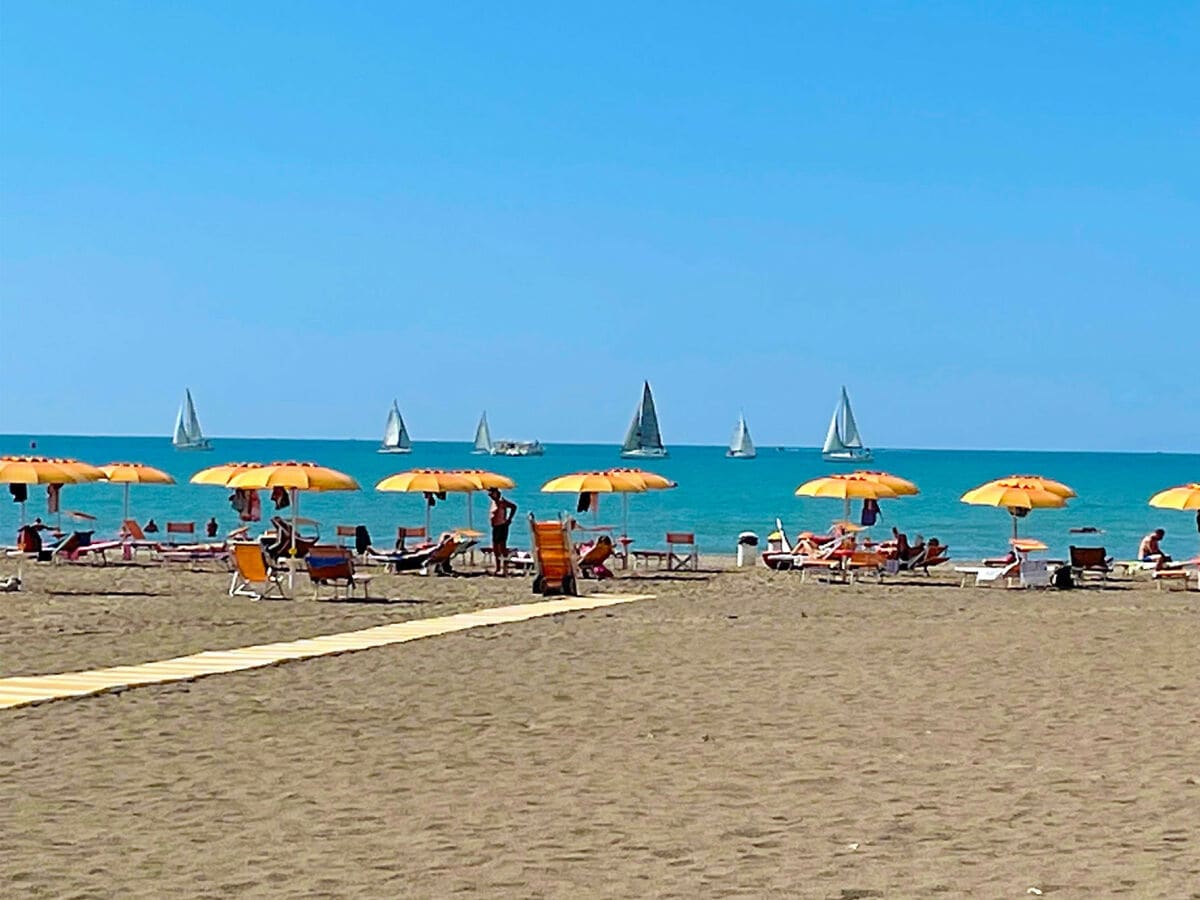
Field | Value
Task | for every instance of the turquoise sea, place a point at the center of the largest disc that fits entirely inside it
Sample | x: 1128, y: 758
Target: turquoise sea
x: 717, y: 497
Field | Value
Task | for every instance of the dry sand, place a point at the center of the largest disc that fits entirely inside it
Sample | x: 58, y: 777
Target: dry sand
x: 741, y: 734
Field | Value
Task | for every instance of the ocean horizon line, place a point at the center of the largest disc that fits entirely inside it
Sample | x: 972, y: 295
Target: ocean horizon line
x: 762, y: 445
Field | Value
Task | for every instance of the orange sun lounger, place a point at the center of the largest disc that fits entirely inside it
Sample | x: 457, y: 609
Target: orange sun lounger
x: 556, y: 567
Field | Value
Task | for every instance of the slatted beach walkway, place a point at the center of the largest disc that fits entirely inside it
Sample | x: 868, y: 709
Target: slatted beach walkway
x: 32, y: 689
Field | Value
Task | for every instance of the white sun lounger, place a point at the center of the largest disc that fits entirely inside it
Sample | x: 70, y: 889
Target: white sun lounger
x: 985, y: 575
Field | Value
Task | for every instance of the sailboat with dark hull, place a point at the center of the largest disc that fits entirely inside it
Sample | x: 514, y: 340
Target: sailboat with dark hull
x: 843, y: 443
x: 643, y: 440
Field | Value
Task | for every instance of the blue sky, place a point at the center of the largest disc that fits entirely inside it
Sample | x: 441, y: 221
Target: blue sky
x: 983, y: 218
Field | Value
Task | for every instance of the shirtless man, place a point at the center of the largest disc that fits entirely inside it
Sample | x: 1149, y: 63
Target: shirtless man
x: 500, y: 513
x: 1150, y: 550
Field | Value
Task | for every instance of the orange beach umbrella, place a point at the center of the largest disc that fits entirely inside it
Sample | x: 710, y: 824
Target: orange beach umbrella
x: 36, y: 470
x: 220, y: 475
x: 1184, y: 497
x: 134, y: 473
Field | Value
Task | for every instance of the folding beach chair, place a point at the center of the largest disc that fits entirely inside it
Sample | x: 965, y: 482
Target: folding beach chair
x: 556, y: 568
x: 1090, y: 559
x: 251, y: 568
x: 334, y: 567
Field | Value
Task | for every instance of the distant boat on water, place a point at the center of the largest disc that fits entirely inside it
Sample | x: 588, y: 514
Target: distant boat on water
x: 740, y: 446
x: 643, y: 440
x: 843, y: 443
x: 395, y: 433
x: 485, y: 444
x: 188, y: 434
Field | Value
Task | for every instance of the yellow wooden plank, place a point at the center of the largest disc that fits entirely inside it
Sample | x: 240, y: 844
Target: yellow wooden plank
x: 25, y: 690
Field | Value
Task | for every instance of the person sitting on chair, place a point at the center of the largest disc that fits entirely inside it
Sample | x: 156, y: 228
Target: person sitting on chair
x: 1150, y: 549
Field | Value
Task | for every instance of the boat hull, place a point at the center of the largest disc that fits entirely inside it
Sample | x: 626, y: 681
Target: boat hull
x: 739, y: 454
x: 644, y: 454
x: 848, y: 456
x: 394, y: 450
x: 194, y: 447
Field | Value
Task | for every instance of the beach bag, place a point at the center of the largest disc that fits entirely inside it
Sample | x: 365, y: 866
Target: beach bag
x: 1062, y: 579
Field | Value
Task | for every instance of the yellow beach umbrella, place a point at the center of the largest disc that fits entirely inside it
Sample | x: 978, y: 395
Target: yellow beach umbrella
x: 134, y: 473
x: 611, y: 481
x: 651, y: 481
x: 846, y: 487
x: 1046, y: 484
x: 483, y: 481
x: 902, y: 486
x: 219, y: 475
x: 1186, y: 496
x: 36, y: 470
x: 594, y: 483
x: 1015, y: 495
x: 429, y: 481
x: 292, y: 477
x: 81, y: 472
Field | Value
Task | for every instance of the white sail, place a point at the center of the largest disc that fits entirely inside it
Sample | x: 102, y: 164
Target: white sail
x: 741, y: 445
x: 188, y: 434
x: 833, y: 439
x: 395, y: 435
x: 643, y: 437
x: 180, y: 438
x: 850, y: 436
x: 483, y: 436
x: 843, y: 443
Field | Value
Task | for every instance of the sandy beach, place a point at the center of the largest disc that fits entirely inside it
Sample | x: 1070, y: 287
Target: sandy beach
x: 739, y: 734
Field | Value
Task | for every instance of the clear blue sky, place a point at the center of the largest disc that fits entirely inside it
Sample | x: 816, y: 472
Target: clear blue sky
x: 954, y: 208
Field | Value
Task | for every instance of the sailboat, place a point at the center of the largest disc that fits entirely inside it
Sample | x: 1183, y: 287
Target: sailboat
x: 485, y: 444
x: 741, y: 447
x: 188, y: 435
x: 483, y: 436
x: 643, y: 440
x: 843, y: 443
x: 395, y: 434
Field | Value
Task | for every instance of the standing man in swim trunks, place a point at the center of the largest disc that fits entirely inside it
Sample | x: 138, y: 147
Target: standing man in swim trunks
x: 500, y: 513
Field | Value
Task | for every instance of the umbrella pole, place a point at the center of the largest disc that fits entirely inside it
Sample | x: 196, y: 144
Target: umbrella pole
x: 428, y: 518
x: 846, y: 510
x: 470, y: 519
x: 292, y: 552
x: 126, y: 515
x: 1014, y: 518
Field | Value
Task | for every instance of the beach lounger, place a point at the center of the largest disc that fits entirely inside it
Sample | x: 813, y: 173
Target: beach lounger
x: 182, y: 528
x: 555, y: 565
x: 253, y: 574
x: 924, y: 559
x: 1180, y: 576
x: 333, y: 567
x: 1092, y: 560
x: 1033, y: 573
x: 78, y: 547
x: 985, y: 575
x: 681, y: 553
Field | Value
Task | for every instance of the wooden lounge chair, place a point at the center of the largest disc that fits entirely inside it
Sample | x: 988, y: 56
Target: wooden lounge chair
x: 681, y: 553
x: 333, y: 566
x: 556, y: 568
x: 187, y: 529
x: 1090, y: 559
x: 252, y: 568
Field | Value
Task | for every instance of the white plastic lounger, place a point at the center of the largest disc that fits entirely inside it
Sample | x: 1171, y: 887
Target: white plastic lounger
x: 985, y: 575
